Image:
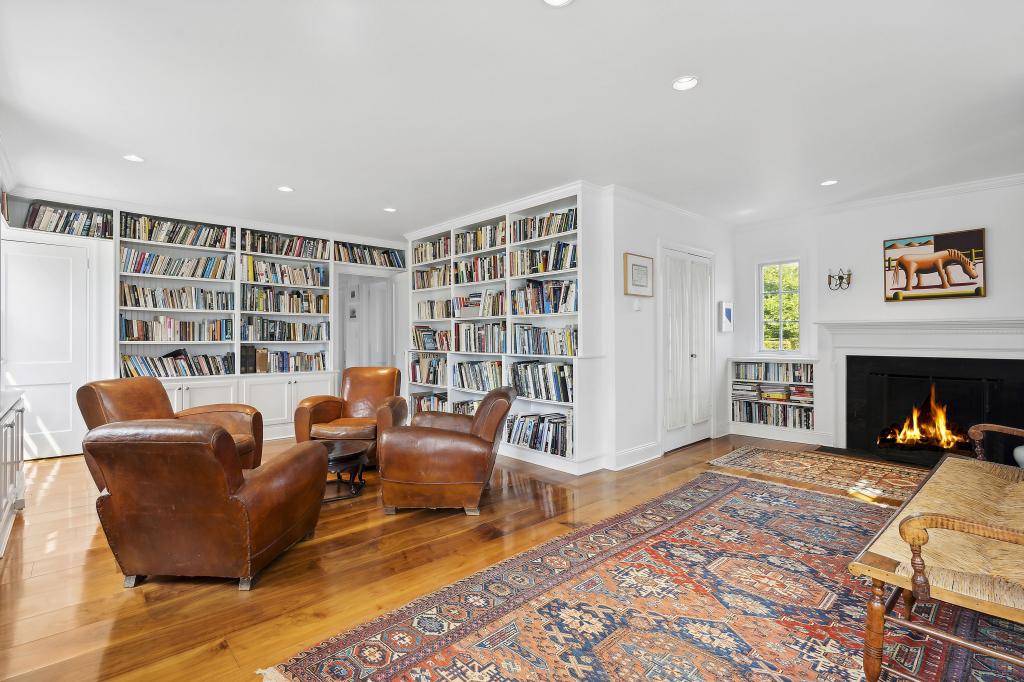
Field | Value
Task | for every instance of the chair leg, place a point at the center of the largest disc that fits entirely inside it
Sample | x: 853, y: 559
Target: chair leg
x: 131, y: 581
x: 472, y: 511
x: 874, y: 632
x: 390, y: 511
x: 908, y: 602
x: 309, y: 535
x: 245, y: 584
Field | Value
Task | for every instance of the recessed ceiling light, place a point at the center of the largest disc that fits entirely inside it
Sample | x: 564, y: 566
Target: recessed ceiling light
x: 390, y: 210
x: 829, y: 183
x: 558, y: 3
x: 685, y: 83
x: 285, y: 188
x: 134, y: 158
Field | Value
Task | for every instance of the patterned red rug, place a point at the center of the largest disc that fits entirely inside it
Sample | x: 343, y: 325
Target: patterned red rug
x: 722, y: 579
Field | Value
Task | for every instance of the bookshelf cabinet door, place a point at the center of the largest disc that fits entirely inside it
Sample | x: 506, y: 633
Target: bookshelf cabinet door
x: 211, y: 392
x: 307, y: 386
x: 272, y: 396
x: 176, y: 394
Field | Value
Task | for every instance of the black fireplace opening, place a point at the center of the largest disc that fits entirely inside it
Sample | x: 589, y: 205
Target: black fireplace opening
x: 914, y: 409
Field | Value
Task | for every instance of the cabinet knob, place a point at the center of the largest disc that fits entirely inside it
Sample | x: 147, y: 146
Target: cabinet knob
x: 188, y: 388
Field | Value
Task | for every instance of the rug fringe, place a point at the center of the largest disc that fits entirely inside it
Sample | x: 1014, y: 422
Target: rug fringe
x: 271, y: 675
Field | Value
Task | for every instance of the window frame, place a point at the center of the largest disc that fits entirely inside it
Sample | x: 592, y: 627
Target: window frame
x: 760, y: 308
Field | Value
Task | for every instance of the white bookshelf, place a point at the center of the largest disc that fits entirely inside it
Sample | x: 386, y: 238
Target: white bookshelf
x: 777, y: 417
x: 508, y: 355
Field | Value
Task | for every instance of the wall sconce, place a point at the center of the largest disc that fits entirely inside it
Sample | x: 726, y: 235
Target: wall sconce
x: 840, y: 280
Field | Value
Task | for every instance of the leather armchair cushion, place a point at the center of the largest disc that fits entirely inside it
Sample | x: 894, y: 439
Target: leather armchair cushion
x: 346, y: 428
x: 419, y: 454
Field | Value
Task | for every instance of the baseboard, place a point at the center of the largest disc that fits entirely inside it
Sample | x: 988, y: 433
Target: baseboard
x: 631, y: 457
x: 780, y: 433
x: 279, y: 431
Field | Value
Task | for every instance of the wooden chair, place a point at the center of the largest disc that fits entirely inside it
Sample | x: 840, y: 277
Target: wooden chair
x: 977, y: 435
x: 958, y: 539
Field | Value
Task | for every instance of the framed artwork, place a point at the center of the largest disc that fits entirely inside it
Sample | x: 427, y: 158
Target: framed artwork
x: 638, y: 272
x: 944, y: 265
x: 725, y: 316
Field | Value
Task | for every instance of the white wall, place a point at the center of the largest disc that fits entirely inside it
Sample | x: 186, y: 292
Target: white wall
x: 641, y: 225
x: 852, y: 238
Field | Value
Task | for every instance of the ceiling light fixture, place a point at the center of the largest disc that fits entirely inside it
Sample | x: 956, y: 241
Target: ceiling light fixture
x: 134, y: 158
x: 558, y: 3
x: 390, y: 210
x: 685, y: 83
x: 829, y: 183
x: 285, y: 188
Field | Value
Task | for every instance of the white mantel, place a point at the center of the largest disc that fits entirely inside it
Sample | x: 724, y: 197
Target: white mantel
x: 954, y: 338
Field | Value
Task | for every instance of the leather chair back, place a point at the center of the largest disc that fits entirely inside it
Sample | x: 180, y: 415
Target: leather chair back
x: 364, y: 389
x: 118, y: 400
x: 490, y: 416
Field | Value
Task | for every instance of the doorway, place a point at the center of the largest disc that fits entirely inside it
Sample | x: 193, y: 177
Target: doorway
x: 366, y: 337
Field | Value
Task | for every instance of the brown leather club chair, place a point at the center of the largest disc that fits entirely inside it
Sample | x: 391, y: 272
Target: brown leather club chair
x: 369, y: 403
x: 116, y: 400
x: 443, y: 460
x: 176, y: 502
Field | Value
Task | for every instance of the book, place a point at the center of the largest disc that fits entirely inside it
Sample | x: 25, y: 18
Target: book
x: 364, y: 254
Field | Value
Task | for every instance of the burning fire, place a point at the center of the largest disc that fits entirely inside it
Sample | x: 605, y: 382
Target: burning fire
x: 926, y: 426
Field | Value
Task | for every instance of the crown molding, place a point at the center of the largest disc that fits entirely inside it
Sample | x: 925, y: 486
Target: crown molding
x: 653, y: 202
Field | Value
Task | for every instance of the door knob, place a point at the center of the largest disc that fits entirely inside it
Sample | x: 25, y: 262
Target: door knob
x: 693, y: 355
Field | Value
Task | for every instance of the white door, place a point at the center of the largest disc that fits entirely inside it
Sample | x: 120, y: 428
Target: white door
x: 46, y: 341
x: 210, y: 392
x: 319, y: 384
x: 271, y: 395
x: 687, y: 347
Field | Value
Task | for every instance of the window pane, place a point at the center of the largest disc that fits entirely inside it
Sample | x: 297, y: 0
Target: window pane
x: 770, y: 340
x: 791, y: 306
x: 790, y: 276
x: 769, y: 278
x: 770, y: 309
x: 790, y: 336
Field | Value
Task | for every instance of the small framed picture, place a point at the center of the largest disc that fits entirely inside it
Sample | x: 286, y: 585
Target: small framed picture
x: 725, y: 317
x: 638, y: 273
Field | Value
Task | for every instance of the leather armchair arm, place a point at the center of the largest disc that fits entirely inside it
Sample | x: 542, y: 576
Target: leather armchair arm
x: 233, y: 418
x: 429, y: 455
x: 392, y: 412
x: 316, y: 409
x: 278, y: 492
x: 460, y: 423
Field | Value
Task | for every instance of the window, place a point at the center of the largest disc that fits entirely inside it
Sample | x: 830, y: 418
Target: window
x: 780, y: 306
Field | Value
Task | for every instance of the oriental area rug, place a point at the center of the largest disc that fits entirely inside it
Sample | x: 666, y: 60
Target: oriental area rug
x: 724, y: 578
x: 870, y: 478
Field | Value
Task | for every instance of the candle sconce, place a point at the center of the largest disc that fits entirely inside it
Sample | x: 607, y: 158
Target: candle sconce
x: 840, y: 281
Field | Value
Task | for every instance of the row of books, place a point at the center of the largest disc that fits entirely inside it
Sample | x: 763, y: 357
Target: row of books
x: 271, y: 300
x: 487, y: 303
x: 429, y: 339
x: 773, y: 392
x: 136, y: 261
x: 530, y: 340
x: 276, y: 244
x: 742, y: 390
x: 477, y: 376
x: 480, y: 337
x: 183, y: 298
x: 429, y: 402
x: 441, y: 309
x: 791, y: 416
x: 479, y: 238
x: 558, y: 256
x: 257, y: 360
x: 425, y: 252
x: 466, y: 407
x: 543, y: 380
x: 440, y: 276
x: 550, y: 433
x: 81, y: 222
x: 480, y: 269
x: 179, y: 232
x: 543, y: 225
x: 541, y: 297
x: 165, y: 328
x: 267, y: 272
x: 783, y: 372
x: 265, y: 329
x: 177, y: 363
x: 428, y: 369
x: 364, y: 254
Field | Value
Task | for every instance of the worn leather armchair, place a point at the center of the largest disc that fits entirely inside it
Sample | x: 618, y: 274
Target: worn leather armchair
x: 115, y: 400
x: 443, y: 460
x: 176, y: 502
x: 369, y: 403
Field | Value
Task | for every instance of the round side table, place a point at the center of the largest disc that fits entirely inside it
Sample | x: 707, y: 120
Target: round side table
x: 346, y: 456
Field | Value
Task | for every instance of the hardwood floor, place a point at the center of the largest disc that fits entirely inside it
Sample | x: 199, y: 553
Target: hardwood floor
x: 65, y: 615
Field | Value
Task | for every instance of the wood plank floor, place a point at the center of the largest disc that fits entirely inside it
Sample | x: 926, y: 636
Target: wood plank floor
x: 65, y: 616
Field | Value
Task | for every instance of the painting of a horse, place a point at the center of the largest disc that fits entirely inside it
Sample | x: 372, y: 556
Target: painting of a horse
x: 950, y: 264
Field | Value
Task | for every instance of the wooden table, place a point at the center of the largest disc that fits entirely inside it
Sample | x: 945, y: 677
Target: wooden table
x: 965, y: 522
x: 346, y: 456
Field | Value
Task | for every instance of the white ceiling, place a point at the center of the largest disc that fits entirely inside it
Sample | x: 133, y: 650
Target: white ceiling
x: 441, y: 107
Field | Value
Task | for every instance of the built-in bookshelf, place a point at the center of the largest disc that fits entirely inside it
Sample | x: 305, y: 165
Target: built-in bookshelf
x: 499, y: 294
x: 366, y: 254
x: 776, y: 393
x: 60, y: 218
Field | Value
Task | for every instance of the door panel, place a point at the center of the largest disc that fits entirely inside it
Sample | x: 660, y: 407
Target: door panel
x: 271, y: 396
x: 700, y: 340
x: 677, y: 363
x: 200, y: 393
x: 46, y: 341
x: 321, y: 384
x: 175, y: 393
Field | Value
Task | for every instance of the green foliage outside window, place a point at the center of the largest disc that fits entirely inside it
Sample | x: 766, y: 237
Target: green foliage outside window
x: 780, y: 306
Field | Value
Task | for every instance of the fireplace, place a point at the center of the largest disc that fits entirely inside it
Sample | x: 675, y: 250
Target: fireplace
x: 913, y: 409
